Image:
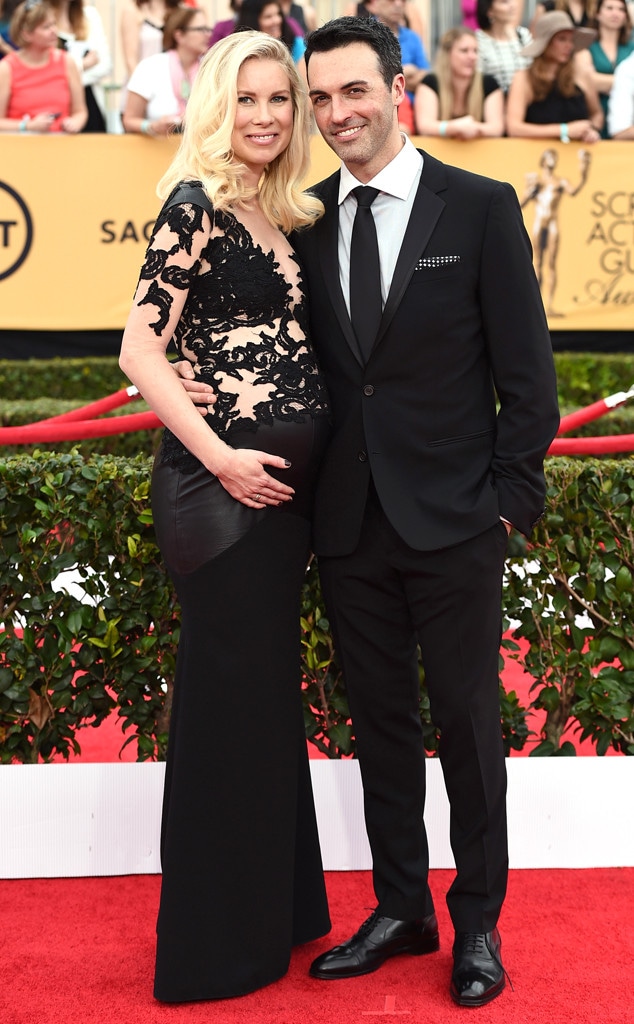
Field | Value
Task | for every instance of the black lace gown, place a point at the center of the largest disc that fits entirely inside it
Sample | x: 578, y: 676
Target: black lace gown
x: 242, y: 874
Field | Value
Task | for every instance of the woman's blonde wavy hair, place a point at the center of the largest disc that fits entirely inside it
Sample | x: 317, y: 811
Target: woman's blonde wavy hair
x: 205, y: 152
x: 475, y: 93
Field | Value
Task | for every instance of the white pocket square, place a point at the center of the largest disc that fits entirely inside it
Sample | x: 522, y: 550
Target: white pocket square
x: 431, y: 262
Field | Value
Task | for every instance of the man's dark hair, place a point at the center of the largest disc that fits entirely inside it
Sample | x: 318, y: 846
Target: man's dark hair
x: 344, y: 31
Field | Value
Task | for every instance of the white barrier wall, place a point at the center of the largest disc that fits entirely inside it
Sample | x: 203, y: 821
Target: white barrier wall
x: 103, y: 819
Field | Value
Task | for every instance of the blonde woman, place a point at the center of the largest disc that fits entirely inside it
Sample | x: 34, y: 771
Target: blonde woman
x: 231, y: 495
x: 457, y: 101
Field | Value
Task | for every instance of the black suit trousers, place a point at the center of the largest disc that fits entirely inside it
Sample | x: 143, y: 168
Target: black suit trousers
x: 384, y: 600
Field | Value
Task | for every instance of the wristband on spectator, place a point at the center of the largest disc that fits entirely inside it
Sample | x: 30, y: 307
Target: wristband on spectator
x: 24, y: 122
x: 145, y: 127
x: 442, y: 129
x: 563, y: 133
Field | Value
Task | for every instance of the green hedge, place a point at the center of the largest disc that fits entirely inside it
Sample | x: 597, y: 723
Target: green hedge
x: 84, y: 507
x: 583, y: 377
x: 65, y: 664
x: 83, y: 379
x: 571, y: 592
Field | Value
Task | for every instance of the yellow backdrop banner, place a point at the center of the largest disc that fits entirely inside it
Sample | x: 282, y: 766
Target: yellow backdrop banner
x: 76, y: 215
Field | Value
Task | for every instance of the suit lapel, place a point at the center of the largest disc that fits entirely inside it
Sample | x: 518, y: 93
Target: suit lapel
x: 425, y: 214
x: 328, y: 239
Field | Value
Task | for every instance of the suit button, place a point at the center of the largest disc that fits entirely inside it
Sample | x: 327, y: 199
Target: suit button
x: 362, y: 457
x: 368, y: 390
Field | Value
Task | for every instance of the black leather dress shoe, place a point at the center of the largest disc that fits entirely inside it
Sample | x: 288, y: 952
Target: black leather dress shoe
x: 478, y: 974
x: 377, y: 940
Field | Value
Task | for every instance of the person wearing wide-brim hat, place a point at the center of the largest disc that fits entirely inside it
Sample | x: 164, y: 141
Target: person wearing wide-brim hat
x: 555, y: 98
x: 549, y: 25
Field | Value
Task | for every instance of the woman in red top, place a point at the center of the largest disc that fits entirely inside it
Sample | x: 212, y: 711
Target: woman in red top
x: 40, y: 87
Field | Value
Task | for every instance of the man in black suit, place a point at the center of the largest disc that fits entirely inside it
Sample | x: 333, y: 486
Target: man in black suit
x: 422, y: 481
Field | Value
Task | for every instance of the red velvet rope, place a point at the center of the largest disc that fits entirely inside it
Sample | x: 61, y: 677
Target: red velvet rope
x: 88, y: 412
x: 580, y: 416
x: 80, y: 424
x: 592, y: 445
x: 42, y: 433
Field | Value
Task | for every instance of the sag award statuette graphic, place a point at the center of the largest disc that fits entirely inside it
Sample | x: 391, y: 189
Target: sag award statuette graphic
x: 546, y: 189
x: 16, y: 231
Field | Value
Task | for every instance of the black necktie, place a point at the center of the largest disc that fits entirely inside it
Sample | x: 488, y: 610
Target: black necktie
x: 365, y: 272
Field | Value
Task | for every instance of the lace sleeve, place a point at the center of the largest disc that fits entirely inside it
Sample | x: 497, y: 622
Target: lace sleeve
x: 172, y: 262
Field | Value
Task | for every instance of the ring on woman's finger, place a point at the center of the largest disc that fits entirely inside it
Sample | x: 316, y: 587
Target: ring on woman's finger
x: 258, y: 497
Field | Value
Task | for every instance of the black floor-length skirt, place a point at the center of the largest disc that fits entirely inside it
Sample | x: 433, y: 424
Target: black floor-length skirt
x: 242, y: 873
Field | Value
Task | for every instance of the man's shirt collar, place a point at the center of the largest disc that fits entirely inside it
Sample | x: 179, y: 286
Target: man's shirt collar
x: 396, y: 178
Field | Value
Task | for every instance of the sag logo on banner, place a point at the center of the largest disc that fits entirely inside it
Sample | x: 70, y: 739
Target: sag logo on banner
x: 16, y: 230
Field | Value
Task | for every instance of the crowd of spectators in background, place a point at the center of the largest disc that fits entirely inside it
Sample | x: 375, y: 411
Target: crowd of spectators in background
x: 569, y: 75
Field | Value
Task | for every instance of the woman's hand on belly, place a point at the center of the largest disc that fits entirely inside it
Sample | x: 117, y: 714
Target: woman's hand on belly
x: 243, y: 475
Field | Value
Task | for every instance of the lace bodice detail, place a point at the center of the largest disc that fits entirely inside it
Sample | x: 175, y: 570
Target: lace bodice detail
x: 243, y: 325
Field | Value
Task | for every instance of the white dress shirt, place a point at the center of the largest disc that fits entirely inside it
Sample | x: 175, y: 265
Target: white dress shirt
x: 621, y: 102
x: 397, y: 184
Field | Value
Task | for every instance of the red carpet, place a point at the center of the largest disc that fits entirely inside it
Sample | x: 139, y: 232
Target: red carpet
x: 80, y: 951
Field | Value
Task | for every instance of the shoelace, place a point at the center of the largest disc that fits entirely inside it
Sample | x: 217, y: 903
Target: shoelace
x: 476, y: 943
x: 368, y: 924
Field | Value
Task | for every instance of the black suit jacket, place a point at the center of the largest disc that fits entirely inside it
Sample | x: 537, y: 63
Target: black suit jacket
x: 463, y: 324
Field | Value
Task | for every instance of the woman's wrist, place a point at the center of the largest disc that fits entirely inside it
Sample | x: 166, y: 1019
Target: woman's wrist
x: 220, y: 458
x: 442, y: 129
x: 563, y: 132
x: 146, y: 127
